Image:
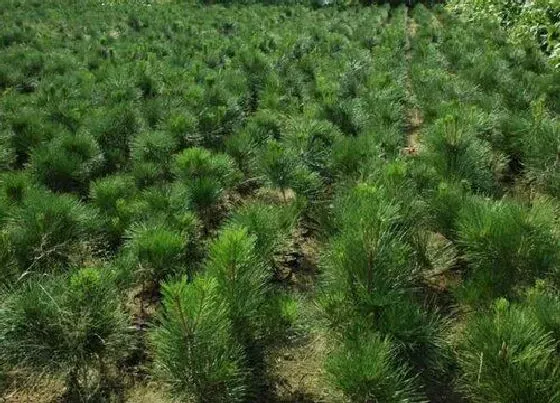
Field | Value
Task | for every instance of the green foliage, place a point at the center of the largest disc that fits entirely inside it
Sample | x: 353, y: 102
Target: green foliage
x: 204, y: 194
x: 9, y: 271
x: 68, y: 162
x: 197, y: 163
x: 369, y: 263
x: 48, y: 231
x: 506, y: 245
x: 349, y: 154
x: 222, y: 113
x: 446, y: 203
x: 206, y: 176
x: 113, y: 132
x: 270, y: 225
x: 114, y: 198
x: 15, y: 185
x: 29, y: 129
x: 540, y: 147
x: 459, y: 155
x: 254, y: 312
x: 224, y: 317
x: 193, y: 343
x: 370, y: 273
x: 151, y: 155
x: 365, y: 369
x: 311, y: 142
x: 504, y: 355
x: 242, y: 148
x: 157, y: 251
x: 182, y: 125
x: 7, y: 151
x: 278, y: 165
x: 536, y: 21
x: 71, y: 325
x: 545, y: 304
x: 398, y: 154
x: 170, y: 204
x: 264, y: 125
x: 108, y: 192
x: 242, y: 280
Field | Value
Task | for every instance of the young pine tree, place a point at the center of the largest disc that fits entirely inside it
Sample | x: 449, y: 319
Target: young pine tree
x: 68, y: 162
x: 506, y: 245
x: 368, y: 264
x: 505, y: 356
x: 156, y: 251
x: 70, y: 326
x: 7, y: 151
x: 271, y: 225
x: 544, y: 301
x: 242, y: 280
x: 206, y: 176
x: 365, y: 368
x: 278, y: 166
x: 370, y: 276
x: 151, y: 153
x: 195, y: 350
x: 48, y: 230
x: 455, y: 152
x: 114, y: 198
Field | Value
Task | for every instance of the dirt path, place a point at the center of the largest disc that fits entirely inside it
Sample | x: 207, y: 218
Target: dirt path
x: 298, y: 365
x: 414, y: 118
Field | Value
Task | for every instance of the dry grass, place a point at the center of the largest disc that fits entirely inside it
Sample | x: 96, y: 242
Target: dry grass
x: 43, y: 390
x: 299, y: 372
x: 149, y: 393
x: 414, y: 118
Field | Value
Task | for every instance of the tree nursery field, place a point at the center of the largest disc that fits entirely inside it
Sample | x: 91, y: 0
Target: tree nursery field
x: 286, y: 202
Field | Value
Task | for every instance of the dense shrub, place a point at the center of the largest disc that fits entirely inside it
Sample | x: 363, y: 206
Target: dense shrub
x: 15, y: 185
x: 280, y: 187
x: 206, y: 176
x: 197, y: 163
x: 536, y: 21
x: 7, y: 151
x: 311, y: 141
x: 271, y: 225
x: 545, y: 305
x: 49, y: 231
x: 73, y: 326
x: 233, y: 262
x: 113, y: 132
x: 460, y: 155
x: 151, y: 154
x: 505, y: 245
x: 539, y: 148
x: 349, y: 154
x: 227, y: 333
x: 504, y: 355
x: 243, y: 285
x: 278, y: 166
x: 446, y: 203
x: 157, y: 251
x: 114, y: 198
x: 68, y: 162
x: 243, y: 150
x: 30, y: 130
x: 369, y: 262
x: 194, y: 347
x: 370, y: 275
x: 182, y: 125
x: 365, y: 368
x: 264, y: 125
